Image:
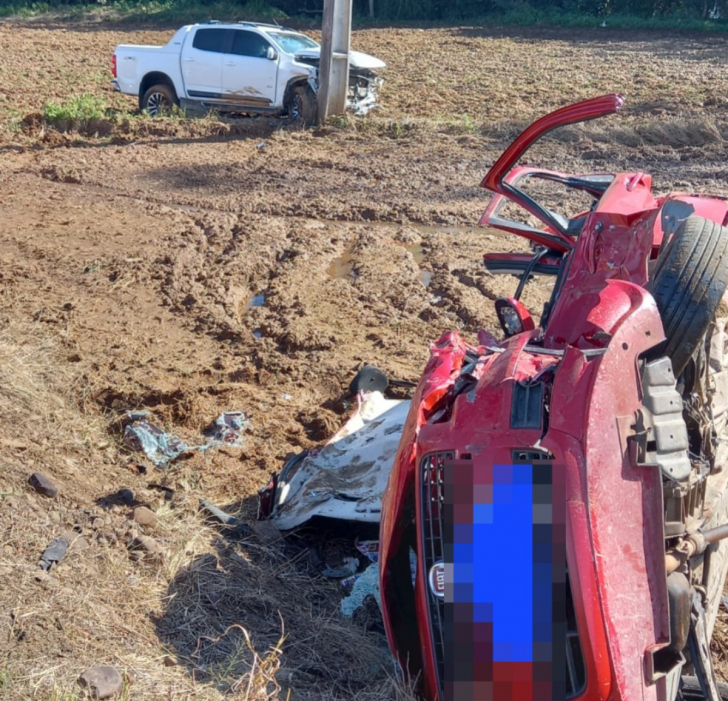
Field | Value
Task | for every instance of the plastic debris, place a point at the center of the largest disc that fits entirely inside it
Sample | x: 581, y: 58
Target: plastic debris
x: 370, y: 576
x: 350, y: 566
x: 161, y: 448
x: 225, y: 518
x: 54, y: 553
x: 367, y: 584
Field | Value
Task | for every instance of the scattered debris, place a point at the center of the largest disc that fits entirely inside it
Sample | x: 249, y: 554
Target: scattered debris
x: 54, y: 553
x: 367, y: 584
x: 161, y: 448
x: 350, y: 566
x: 146, y: 517
x: 142, y: 435
x: 370, y: 576
x: 369, y: 379
x: 346, y: 478
x: 43, y: 485
x: 102, y: 682
x: 237, y: 526
x: 126, y: 496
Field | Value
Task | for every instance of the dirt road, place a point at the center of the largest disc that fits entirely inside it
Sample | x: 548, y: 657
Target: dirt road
x: 129, y: 263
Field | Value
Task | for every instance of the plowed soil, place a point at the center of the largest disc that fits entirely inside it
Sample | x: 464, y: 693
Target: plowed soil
x: 128, y: 264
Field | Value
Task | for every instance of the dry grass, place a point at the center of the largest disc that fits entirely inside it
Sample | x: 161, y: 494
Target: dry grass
x: 211, y: 618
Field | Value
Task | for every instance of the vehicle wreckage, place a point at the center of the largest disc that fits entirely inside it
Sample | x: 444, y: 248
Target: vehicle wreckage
x: 622, y: 381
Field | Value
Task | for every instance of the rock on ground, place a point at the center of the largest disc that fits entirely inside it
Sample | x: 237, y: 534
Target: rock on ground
x: 102, y: 682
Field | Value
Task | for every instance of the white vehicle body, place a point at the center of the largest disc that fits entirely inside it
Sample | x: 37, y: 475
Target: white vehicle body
x: 243, y: 67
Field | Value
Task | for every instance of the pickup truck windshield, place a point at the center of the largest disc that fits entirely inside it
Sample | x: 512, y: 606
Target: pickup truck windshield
x: 291, y: 43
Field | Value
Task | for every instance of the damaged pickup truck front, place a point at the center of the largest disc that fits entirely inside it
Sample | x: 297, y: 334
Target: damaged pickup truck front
x: 246, y: 67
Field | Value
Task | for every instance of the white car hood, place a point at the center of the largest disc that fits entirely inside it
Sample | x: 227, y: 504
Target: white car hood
x: 346, y: 478
x: 356, y: 59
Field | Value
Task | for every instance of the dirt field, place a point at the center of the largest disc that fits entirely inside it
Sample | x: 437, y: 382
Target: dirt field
x: 127, y: 266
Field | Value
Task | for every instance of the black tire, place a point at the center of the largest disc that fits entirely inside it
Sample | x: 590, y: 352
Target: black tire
x: 158, y: 100
x: 690, y: 690
x: 302, y: 108
x: 688, y: 284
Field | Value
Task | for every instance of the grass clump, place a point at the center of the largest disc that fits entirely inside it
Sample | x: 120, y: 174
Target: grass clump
x: 84, y: 113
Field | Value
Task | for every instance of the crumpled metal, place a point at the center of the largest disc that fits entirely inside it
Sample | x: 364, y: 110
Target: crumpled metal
x: 141, y: 435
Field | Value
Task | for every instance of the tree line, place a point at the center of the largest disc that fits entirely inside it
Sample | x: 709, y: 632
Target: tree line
x: 472, y: 9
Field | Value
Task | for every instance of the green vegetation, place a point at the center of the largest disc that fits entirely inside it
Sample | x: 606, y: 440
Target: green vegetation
x: 636, y: 14
x: 78, y: 111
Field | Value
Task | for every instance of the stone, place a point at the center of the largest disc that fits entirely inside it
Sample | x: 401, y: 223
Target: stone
x: 102, y: 682
x: 75, y: 540
x: 47, y: 581
x: 108, y: 537
x: 145, y: 542
x: 43, y: 485
x: 146, y: 517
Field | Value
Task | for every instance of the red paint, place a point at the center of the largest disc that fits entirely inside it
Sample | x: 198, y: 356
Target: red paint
x: 599, y: 324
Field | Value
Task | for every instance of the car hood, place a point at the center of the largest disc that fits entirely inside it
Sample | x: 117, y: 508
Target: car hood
x: 357, y: 59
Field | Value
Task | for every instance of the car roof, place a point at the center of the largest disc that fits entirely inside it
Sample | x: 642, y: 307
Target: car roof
x: 256, y: 25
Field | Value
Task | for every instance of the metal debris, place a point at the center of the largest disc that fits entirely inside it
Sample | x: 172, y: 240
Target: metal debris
x: 161, y: 448
x: 346, y: 478
x: 54, y: 553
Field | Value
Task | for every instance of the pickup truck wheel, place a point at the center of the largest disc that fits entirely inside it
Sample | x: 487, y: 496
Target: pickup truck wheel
x: 689, y: 280
x: 158, y: 100
x: 302, y: 106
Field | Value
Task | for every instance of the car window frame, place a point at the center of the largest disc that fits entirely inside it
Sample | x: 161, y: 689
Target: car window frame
x: 231, y: 42
x: 226, y: 41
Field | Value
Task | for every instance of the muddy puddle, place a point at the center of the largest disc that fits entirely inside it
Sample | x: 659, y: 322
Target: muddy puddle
x: 342, y: 267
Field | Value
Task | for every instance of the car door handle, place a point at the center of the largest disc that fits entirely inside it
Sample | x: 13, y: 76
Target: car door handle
x: 231, y: 63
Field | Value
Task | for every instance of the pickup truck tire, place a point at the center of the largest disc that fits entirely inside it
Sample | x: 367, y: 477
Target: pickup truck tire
x: 301, y: 107
x: 158, y: 100
x: 688, y: 283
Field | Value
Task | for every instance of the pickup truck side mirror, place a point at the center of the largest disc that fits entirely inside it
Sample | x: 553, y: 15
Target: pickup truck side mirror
x: 272, y: 54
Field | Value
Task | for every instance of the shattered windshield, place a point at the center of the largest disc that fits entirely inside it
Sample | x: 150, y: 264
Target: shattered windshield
x: 292, y: 43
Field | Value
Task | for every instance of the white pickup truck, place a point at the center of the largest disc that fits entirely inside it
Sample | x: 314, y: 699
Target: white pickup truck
x: 246, y: 67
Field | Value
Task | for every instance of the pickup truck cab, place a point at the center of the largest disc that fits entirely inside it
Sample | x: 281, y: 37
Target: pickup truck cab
x: 245, y: 67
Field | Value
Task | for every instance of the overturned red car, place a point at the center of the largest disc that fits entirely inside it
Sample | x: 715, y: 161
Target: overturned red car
x: 622, y: 380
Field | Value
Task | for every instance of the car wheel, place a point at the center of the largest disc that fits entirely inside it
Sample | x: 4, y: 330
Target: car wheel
x: 302, y: 107
x: 690, y: 278
x: 158, y: 100
x: 690, y: 690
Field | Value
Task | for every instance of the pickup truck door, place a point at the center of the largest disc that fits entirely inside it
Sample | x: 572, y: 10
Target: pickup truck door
x: 202, y: 62
x: 248, y: 75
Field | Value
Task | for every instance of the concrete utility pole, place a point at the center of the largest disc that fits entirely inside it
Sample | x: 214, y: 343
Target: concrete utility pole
x: 334, y: 64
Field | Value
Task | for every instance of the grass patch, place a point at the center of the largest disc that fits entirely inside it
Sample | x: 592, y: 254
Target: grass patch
x: 84, y: 113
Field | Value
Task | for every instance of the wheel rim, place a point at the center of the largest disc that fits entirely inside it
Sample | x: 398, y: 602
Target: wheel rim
x: 296, y: 108
x: 157, y: 103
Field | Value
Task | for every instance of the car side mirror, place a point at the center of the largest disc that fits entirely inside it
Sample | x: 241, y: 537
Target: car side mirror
x: 272, y: 54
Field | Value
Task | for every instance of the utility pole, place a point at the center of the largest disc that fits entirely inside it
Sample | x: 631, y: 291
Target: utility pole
x: 334, y: 63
